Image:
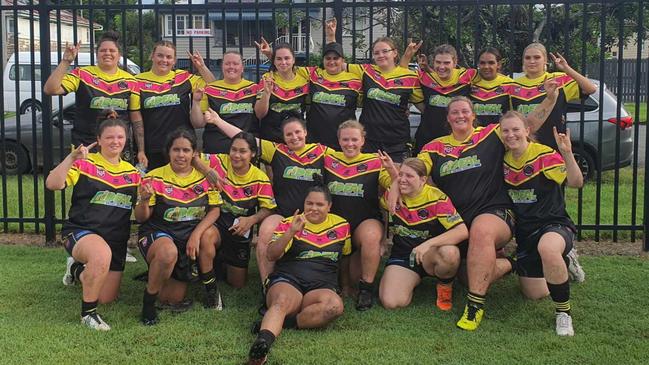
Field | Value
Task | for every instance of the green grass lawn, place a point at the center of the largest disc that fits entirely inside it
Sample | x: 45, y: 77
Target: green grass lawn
x: 9, y: 114
x: 39, y: 320
x: 630, y: 107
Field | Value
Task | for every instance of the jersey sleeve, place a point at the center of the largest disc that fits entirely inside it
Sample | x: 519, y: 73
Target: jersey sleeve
x: 347, y: 247
x: 268, y: 149
x: 425, y: 157
x: 71, y: 81
x: 280, y: 230
x: 570, y: 88
x: 304, y: 71
x: 447, y: 215
x: 196, y: 82
x: 384, y: 179
x: 73, y: 175
x: 356, y: 69
x: 266, y: 197
x: 205, y: 103
x: 134, y: 97
x: 417, y: 95
x: 555, y: 168
x: 135, y: 101
x: 214, y: 198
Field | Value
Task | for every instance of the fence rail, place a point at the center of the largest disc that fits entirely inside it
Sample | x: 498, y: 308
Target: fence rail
x: 587, y: 33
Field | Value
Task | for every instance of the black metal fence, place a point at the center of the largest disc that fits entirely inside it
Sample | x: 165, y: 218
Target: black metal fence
x: 34, y: 130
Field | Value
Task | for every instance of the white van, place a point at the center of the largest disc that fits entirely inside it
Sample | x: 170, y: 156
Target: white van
x: 23, y: 72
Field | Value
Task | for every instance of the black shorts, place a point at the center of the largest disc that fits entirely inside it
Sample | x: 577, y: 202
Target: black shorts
x: 301, y: 285
x: 503, y: 213
x: 118, y: 250
x: 397, y: 151
x: 528, y: 260
x: 183, y: 269
x: 234, y: 250
x: 405, y: 262
x: 156, y: 159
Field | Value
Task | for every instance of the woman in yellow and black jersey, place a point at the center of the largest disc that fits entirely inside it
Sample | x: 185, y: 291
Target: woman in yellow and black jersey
x: 164, y: 102
x: 282, y: 94
x: 247, y: 200
x: 426, y: 229
x: 176, y: 204
x: 534, y: 176
x: 438, y: 85
x: 96, y: 88
x: 99, y: 220
x: 529, y: 90
x: 490, y: 90
x: 293, y: 164
x: 233, y: 98
x: 303, y: 288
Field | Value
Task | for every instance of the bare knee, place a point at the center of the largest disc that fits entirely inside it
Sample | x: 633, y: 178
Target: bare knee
x: 392, y: 302
x: 333, y: 309
x: 166, y: 256
x: 449, y: 255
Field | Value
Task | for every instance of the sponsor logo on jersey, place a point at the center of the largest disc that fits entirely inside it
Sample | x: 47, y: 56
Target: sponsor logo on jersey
x: 161, y: 100
x: 198, y: 189
x: 102, y: 102
x: 184, y: 214
x: 286, y: 107
x: 235, y: 210
x: 346, y: 189
x: 382, y: 95
x: 453, y: 218
x: 112, y: 199
x: 247, y: 191
x: 122, y: 85
x: 439, y: 101
x: 488, y: 109
x: 526, y: 109
x: 101, y: 172
x: 306, y: 255
x: 236, y: 108
x: 328, y: 99
x: 300, y: 173
x: 522, y: 196
x: 459, y: 165
x: 409, y: 233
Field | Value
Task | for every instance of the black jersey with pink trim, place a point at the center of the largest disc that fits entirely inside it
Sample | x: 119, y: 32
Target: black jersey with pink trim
x: 469, y: 171
x: 534, y: 183
x: 102, y: 198
x: 491, y: 99
x: 288, y: 99
x: 314, y: 254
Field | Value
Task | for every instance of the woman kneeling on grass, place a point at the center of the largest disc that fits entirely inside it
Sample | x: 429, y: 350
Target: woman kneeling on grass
x: 98, y: 224
x: 176, y: 204
x: 303, y: 289
x: 534, y: 175
x: 426, y: 229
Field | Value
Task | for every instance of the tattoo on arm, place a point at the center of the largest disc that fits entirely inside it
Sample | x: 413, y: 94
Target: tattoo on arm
x: 138, y: 132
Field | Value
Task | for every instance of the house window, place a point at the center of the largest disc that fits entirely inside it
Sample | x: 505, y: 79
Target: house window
x: 182, y: 23
x: 11, y: 25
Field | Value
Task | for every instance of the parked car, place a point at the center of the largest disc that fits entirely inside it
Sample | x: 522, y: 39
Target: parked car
x: 21, y: 155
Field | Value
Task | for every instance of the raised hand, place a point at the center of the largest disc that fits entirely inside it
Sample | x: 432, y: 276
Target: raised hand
x: 264, y: 47
x: 71, y: 51
x: 563, y: 141
x: 212, y: 117
x: 298, y: 222
x: 330, y: 28
x: 197, y: 95
x: 388, y: 164
x: 551, y: 87
x: 559, y: 61
x: 412, y: 48
x: 81, y: 152
x: 269, y: 84
x: 197, y: 59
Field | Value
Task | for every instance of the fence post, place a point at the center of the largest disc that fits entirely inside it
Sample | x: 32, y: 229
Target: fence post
x: 338, y: 14
x: 44, y: 25
x: 645, y: 216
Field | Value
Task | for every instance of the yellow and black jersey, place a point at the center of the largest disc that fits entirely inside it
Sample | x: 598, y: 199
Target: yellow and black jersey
x: 314, y: 253
x: 385, y: 101
x: 102, y: 197
x: 528, y: 93
x: 534, y: 182
x: 164, y: 102
x: 491, y: 98
x: 179, y: 202
x: 333, y: 100
x: 235, y: 103
x: 469, y: 171
x: 242, y: 194
x: 292, y: 172
x: 288, y: 99
x: 354, y: 185
x: 429, y: 214
x: 437, y: 94
x: 95, y: 91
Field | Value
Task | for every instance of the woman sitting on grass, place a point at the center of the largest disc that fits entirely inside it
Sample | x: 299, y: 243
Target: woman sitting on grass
x: 99, y: 220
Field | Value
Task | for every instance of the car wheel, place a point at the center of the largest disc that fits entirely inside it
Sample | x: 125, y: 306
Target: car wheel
x: 30, y: 105
x: 585, y: 162
x: 16, y: 159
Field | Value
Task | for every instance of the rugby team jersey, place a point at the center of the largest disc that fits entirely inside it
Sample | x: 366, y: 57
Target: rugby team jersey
x: 288, y: 99
x: 333, y: 100
x: 534, y: 182
x: 314, y: 253
x: 164, y: 102
x: 354, y: 185
x: 179, y: 202
x: 385, y: 101
x: 491, y: 98
x: 242, y: 194
x: 96, y: 91
x: 437, y: 94
x: 235, y: 103
x: 102, y: 197
x: 528, y: 93
x: 469, y: 171
x: 429, y: 214
x: 292, y: 172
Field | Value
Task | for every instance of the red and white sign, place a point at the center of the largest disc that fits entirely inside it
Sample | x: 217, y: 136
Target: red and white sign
x: 198, y: 32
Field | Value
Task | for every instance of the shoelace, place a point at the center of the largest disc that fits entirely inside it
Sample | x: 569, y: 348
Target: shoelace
x: 471, y: 312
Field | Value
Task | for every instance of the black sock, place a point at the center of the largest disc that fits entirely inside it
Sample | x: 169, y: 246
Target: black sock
x: 290, y: 322
x: 267, y: 336
x: 363, y: 285
x: 88, y: 308
x: 76, y: 269
x: 209, y: 280
x: 475, y: 300
x: 560, y: 294
x: 148, y: 305
x: 446, y: 281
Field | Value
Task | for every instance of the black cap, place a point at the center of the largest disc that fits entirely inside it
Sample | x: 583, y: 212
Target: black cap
x: 333, y: 47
